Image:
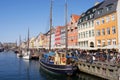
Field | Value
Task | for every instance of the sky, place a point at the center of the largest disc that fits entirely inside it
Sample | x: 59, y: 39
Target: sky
x: 16, y: 16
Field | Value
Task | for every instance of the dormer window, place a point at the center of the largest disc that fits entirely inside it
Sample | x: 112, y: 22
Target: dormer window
x: 100, y: 11
x: 94, y: 10
x: 88, y: 12
x: 91, y: 16
x: 109, y: 7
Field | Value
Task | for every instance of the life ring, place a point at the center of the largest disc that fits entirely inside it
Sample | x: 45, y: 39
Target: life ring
x: 63, y: 59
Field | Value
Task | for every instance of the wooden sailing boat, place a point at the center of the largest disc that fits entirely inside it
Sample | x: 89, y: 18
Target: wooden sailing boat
x: 60, y: 65
x: 26, y: 53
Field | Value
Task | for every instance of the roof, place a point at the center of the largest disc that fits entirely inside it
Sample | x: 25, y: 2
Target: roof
x: 75, y: 17
x: 90, y: 12
x: 104, y: 5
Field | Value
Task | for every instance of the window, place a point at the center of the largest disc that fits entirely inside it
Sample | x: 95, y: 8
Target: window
x: 100, y: 11
x: 103, y: 31
x: 107, y: 19
x: 86, y: 18
x: 94, y: 9
x: 85, y: 25
x: 113, y: 30
x: 109, y: 42
x: 103, y: 43
x: 89, y: 33
x: 92, y: 32
x: 108, y: 31
x: 109, y: 7
x: 88, y: 24
x: 92, y: 23
x: 80, y: 20
x: 114, y: 41
x: 98, y: 43
x: 80, y: 26
x: 83, y: 34
x: 79, y: 35
x: 86, y: 34
x: 103, y: 21
x: 88, y: 12
x: 113, y: 17
x: 97, y: 22
x: 98, y: 32
x: 91, y: 16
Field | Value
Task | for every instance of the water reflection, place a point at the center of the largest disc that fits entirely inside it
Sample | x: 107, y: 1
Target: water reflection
x: 13, y: 68
x: 83, y: 76
x: 78, y: 76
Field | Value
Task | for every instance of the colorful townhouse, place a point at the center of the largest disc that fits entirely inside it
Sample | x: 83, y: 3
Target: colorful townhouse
x: 44, y: 40
x: 37, y: 41
x: 63, y: 37
x: 52, y: 37
x: 40, y: 40
x: 47, y: 40
x: 31, y: 42
x: 72, y: 31
x: 107, y: 23
x: 86, y: 34
x: 58, y: 36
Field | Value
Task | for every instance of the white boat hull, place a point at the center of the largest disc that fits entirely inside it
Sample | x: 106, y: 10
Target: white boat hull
x: 26, y: 57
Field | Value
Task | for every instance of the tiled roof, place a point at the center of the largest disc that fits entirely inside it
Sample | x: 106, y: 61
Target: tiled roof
x: 75, y: 17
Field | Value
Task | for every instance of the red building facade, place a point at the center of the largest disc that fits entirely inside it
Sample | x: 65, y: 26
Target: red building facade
x: 58, y: 36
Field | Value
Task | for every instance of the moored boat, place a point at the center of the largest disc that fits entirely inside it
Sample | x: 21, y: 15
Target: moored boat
x: 1, y: 49
x: 58, y: 63
x: 27, y: 55
x: 55, y: 61
x: 27, y: 52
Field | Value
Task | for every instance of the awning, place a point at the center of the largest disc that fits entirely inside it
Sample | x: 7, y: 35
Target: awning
x: 49, y: 54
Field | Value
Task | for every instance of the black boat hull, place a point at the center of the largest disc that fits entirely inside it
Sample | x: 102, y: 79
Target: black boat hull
x: 1, y: 49
x: 58, y: 69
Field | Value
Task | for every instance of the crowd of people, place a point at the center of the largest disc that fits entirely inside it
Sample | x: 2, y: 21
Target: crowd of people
x: 108, y: 56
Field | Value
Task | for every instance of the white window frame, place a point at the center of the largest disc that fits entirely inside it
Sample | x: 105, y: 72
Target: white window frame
x: 113, y: 17
x: 107, y: 19
x: 113, y: 41
x: 108, y: 41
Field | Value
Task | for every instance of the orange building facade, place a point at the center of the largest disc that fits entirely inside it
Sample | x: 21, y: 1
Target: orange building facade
x: 72, y: 31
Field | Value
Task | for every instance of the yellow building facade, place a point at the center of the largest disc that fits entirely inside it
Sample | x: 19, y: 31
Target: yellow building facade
x: 106, y: 30
x: 107, y: 25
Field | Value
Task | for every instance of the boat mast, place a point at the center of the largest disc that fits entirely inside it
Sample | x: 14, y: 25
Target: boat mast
x: 19, y: 43
x: 50, y: 23
x: 66, y: 31
x: 28, y: 38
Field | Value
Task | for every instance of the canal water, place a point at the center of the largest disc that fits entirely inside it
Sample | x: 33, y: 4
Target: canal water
x: 14, y: 68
